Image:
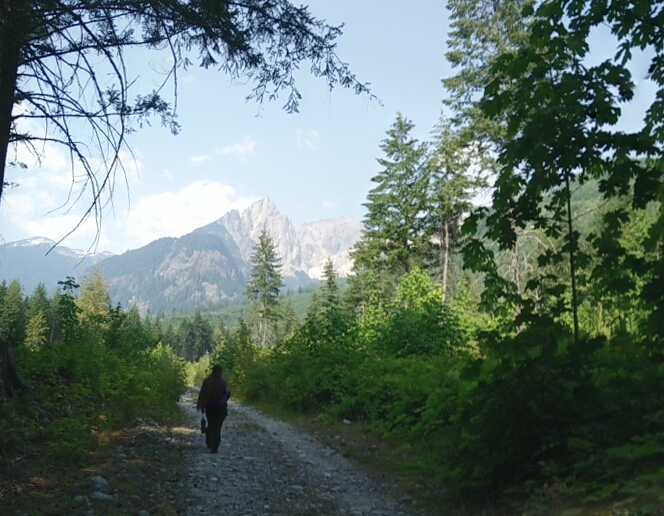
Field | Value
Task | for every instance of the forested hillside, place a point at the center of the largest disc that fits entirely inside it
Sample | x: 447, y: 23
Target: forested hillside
x: 513, y: 351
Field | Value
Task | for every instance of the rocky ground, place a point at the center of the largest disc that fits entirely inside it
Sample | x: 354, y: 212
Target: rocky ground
x: 263, y: 467
x: 266, y: 467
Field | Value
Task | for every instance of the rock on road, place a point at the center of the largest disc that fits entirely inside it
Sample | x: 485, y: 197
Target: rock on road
x: 266, y: 467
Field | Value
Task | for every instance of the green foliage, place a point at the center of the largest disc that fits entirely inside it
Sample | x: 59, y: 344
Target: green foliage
x: 263, y: 288
x: 198, y: 371
x: 237, y: 354
x: 102, y: 371
x: 393, y: 228
x: 36, y: 331
x: 12, y: 313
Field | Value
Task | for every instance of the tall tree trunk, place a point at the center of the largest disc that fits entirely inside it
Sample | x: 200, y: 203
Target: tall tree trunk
x: 446, y: 257
x: 11, y: 28
x: 10, y: 381
x: 572, y: 263
x: 263, y: 325
x: 516, y: 273
x: 11, y: 31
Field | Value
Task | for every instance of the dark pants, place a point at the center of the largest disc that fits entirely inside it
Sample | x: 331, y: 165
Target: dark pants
x: 215, y: 418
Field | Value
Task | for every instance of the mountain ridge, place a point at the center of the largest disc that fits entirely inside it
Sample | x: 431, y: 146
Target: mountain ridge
x: 208, y: 266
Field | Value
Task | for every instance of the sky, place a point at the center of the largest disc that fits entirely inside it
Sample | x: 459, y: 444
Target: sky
x: 314, y: 165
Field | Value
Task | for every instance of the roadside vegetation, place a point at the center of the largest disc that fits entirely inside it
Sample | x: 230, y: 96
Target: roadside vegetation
x: 508, y: 357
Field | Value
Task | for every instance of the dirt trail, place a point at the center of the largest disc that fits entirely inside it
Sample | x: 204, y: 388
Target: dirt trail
x: 266, y: 467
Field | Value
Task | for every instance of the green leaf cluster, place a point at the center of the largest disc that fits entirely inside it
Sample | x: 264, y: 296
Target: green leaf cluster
x: 87, y: 367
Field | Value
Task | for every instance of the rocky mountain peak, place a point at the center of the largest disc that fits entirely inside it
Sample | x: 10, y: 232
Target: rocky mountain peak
x: 302, y: 250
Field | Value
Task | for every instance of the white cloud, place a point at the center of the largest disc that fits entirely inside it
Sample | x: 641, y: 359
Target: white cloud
x: 50, y: 199
x: 199, y: 160
x: 241, y: 150
x: 307, y: 139
x: 175, y: 213
x: 329, y: 205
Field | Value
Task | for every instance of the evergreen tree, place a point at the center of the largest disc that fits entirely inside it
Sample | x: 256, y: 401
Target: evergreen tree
x: 288, y: 322
x: 394, y: 233
x: 330, y: 287
x: 39, y: 302
x: 327, y: 321
x: 36, y: 332
x: 481, y: 31
x: 12, y: 314
x: 94, y: 301
x: 186, y: 340
x: 264, y: 287
x: 169, y: 337
x: 67, y: 311
x: 203, y: 332
x: 52, y: 50
x: 449, y: 199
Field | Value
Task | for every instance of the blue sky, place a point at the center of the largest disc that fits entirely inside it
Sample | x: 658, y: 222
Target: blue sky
x: 314, y: 165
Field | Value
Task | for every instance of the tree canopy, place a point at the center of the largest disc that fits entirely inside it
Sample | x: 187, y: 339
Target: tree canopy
x: 63, y: 69
x: 264, y: 285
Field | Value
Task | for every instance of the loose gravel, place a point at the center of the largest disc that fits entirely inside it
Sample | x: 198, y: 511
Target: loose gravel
x: 266, y: 467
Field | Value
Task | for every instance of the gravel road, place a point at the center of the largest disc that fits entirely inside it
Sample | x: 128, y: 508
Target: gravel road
x: 266, y: 467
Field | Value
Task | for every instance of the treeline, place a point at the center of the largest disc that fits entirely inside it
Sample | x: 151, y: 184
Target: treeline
x: 83, y: 365
x: 500, y: 400
x: 521, y: 342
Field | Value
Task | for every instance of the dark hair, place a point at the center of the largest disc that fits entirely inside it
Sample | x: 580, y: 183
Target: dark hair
x: 217, y: 382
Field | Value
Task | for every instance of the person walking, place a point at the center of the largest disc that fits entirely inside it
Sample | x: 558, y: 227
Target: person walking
x: 213, y: 403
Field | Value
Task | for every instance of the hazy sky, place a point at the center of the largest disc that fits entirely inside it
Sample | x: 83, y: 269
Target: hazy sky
x: 314, y: 165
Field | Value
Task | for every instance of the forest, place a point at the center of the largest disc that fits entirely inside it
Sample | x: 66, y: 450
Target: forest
x: 519, y: 343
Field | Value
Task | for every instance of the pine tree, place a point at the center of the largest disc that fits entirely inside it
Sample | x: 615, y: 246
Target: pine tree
x: 94, y: 302
x: 12, y: 314
x: 264, y: 287
x: 451, y: 189
x: 394, y: 236
x: 36, y: 331
x: 482, y: 30
x: 39, y: 302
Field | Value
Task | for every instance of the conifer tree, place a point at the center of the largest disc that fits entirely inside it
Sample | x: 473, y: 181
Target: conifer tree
x: 52, y: 51
x: 203, y: 331
x: 38, y: 302
x: 12, y: 314
x: 452, y: 186
x: 36, y: 331
x: 394, y: 232
x: 94, y: 301
x: 482, y: 30
x: 264, y: 286
x: 288, y: 323
x: 330, y: 287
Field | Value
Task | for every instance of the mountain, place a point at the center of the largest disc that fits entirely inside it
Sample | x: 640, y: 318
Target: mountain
x: 176, y: 273
x: 211, y: 264
x: 36, y: 260
x: 208, y: 266
x: 303, y: 251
